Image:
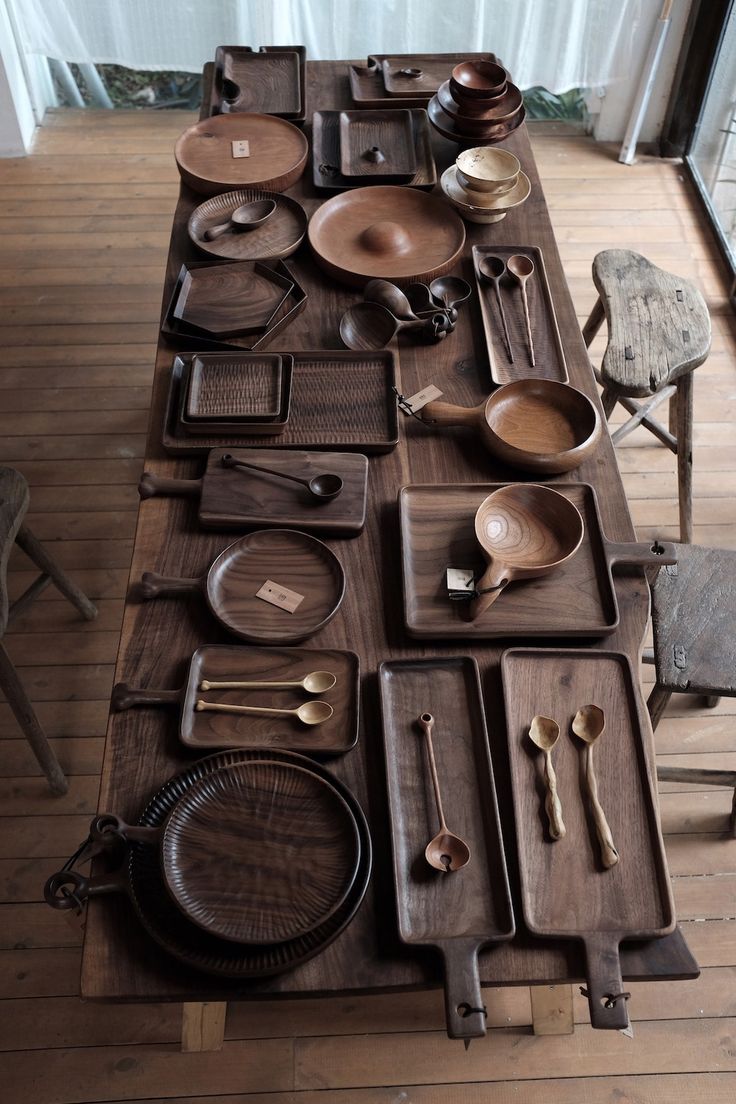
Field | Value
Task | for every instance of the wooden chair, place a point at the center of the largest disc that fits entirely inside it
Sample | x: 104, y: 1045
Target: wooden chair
x: 14, y: 502
x: 658, y: 333
x: 693, y: 615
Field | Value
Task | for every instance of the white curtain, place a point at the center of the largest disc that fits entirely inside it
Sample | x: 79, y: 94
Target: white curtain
x: 559, y: 44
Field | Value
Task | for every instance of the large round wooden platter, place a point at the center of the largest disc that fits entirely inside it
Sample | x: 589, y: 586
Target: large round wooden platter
x: 389, y: 232
x: 233, y: 151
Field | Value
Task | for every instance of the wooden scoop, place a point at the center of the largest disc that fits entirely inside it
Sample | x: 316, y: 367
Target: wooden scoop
x: 317, y: 682
x: 249, y: 216
x: 544, y: 732
x: 310, y: 713
x: 525, y: 531
x: 446, y: 851
x: 521, y: 268
x: 588, y: 724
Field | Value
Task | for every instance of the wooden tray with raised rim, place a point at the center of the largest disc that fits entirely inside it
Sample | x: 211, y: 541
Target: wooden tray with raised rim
x: 377, y: 144
x: 234, y: 390
x: 458, y: 912
x: 550, y: 354
x: 566, y: 892
x: 326, y: 153
x: 368, y: 88
x: 279, y: 236
x: 340, y: 400
x: 224, y: 302
x: 240, y: 150
x: 245, y: 67
x: 437, y: 523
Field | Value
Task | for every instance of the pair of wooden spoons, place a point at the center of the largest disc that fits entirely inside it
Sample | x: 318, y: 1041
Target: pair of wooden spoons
x: 588, y: 725
x: 520, y: 268
x: 309, y: 713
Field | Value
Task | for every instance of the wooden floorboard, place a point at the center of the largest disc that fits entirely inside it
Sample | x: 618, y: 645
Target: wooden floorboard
x: 79, y: 303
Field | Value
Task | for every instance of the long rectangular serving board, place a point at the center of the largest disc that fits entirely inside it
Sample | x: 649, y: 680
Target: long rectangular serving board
x: 460, y: 911
x: 339, y: 400
x: 550, y: 362
x: 566, y: 891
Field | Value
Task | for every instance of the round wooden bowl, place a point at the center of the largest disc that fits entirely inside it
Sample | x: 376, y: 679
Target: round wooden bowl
x: 486, y: 208
x: 452, y: 130
x: 279, y: 236
x: 488, y: 169
x: 501, y: 110
x: 277, y: 153
x: 541, y: 426
x: 478, y: 80
x: 384, y: 232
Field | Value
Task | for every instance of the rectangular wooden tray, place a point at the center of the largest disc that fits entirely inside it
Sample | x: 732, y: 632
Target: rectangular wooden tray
x: 222, y: 388
x: 273, y: 80
x: 260, y: 426
x: 438, y: 531
x: 549, y: 353
x: 461, y: 911
x: 368, y: 89
x: 389, y: 134
x: 566, y: 891
x: 326, y: 153
x: 339, y: 400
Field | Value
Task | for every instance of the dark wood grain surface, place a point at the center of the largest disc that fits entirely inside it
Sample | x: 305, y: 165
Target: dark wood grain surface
x: 236, y: 71
x: 377, y: 144
x: 326, y: 151
x: 143, y: 748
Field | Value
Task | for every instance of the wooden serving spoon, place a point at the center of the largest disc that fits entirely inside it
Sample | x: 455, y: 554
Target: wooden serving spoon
x: 493, y: 269
x: 544, y: 732
x: 317, y: 682
x: 324, y: 486
x: 446, y: 851
x: 391, y: 297
x: 248, y: 216
x: 521, y: 268
x: 310, y: 713
x: 588, y: 724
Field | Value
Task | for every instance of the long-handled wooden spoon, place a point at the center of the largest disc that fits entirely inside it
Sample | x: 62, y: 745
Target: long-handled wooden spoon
x: 521, y: 268
x: 446, y: 851
x: 493, y: 269
x: 588, y: 724
x: 317, y: 682
x: 322, y: 487
x: 310, y: 713
x: 544, y: 732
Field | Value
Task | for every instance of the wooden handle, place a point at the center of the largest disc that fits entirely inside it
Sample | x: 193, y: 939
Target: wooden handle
x: 125, y: 697
x: 215, y: 232
x: 603, y: 970
x: 609, y: 854
x: 151, y: 485
x: 552, y: 802
x: 154, y: 585
x: 207, y: 685
x: 502, y: 312
x: 67, y: 889
x: 464, y: 1010
x: 630, y: 552
x: 217, y: 707
x: 528, y: 322
x: 426, y: 723
x: 445, y: 414
x: 490, y: 586
x: 107, y: 827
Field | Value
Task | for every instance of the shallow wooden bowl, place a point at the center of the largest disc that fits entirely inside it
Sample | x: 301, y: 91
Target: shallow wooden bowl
x: 478, y: 80
x: 481, y: 207
x: 488, y: 169
x: 501, y: 110
x: 279, y: 236
x: 454, y: 131
x: 276, y: 153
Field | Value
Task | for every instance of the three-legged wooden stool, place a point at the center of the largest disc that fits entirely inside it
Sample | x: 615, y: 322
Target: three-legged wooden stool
x: 693, y: 615
x: 658, y: 333
x: 14, y: 502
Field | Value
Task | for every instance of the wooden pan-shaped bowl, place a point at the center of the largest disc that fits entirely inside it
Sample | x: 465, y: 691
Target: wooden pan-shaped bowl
x: 274, y: 562
x: 539, y: 425
x: 525, y: 531
x: 260, y: 852
x: 240, y: 150
x: 388, y: 233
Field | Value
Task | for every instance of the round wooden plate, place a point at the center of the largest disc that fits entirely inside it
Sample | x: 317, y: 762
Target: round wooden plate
x: 388, y: 232
x: 279, y: 236
x: 502, y: 111
x: 448, y: 127
x: 260, y: 852
x: 276, y: 153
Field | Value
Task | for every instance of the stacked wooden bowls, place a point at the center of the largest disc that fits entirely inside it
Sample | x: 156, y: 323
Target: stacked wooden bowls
x: 477, y: 105
x: 485, y: 183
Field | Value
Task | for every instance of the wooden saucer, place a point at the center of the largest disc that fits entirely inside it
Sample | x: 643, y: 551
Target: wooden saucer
x: 389, y: 232
x: 233, y: 151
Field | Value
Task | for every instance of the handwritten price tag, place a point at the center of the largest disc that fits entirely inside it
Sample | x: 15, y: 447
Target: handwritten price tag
x: 280, y: 596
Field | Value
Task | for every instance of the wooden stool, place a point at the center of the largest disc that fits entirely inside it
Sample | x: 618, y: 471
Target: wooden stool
x: 658, y: 332
x: 14, y: 502
x: 693, y: 614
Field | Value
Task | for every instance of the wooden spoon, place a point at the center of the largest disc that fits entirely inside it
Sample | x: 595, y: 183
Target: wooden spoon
x: 391, y: 297
x: 317, y: 682
x: 246, y: 217
x: 323, y: 487
x: 544, y: 732
x: 310, y: 713
x: 493, y: 269
x: 588, y: 724
x: 521, y: 268
x: 372, y: 326
x: 446, y: 851
x: 451, y: 292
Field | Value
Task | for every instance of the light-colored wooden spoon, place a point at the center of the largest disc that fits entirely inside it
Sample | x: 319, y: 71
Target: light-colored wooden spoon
x: 317, y: 682
x: 544, y: 732
x: 588, y: 724
x: 446, y: 851
x: 310, y: 713
x: 521, y: 268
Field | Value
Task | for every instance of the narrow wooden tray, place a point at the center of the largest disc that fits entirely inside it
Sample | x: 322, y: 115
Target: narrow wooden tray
x: 377, y: 144
x: 458, y: 912
x: 339, y: 400
x: 550, y: 355
x: 273, y: 80
x: 438, y: 531
x: 368, y: 89
x: 326, y: 153
x: 209, y: 731
x: 233, y: 499
x: 566, y: 892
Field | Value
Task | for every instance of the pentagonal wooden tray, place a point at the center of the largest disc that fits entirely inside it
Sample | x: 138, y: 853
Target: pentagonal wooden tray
x: 241, y: 298
x: 326, y: 153
x: 265, y: 80
x: 243, y: 149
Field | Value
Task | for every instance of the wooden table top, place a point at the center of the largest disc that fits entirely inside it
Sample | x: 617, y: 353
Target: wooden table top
x: 142, y: 748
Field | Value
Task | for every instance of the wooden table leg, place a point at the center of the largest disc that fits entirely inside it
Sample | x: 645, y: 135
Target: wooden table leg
x: 594, y: 323
x: 657, y: 703
x: 202, y: 1026
x: 552, y: 1012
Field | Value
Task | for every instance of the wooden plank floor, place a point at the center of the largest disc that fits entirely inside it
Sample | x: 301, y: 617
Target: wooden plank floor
x: 85, y: 226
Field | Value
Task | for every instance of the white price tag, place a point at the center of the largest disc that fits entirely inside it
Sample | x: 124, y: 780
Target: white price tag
x: 426, y: 395
x: 280, y: 596
x: 241, y: 148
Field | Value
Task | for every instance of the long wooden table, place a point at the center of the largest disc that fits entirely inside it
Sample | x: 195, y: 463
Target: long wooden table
x: 142, y: 749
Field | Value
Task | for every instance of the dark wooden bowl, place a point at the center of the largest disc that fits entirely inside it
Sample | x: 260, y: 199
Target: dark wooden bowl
x: 478, y: 80
x: 277, y: 153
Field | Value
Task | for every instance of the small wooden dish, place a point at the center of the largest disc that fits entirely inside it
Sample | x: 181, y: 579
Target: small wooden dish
x: 387, y: 232
x: 227, y: 152
x: 228, y: 300
x: 279, y: 236
x: 478, y: 80
x: 235, y: 385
